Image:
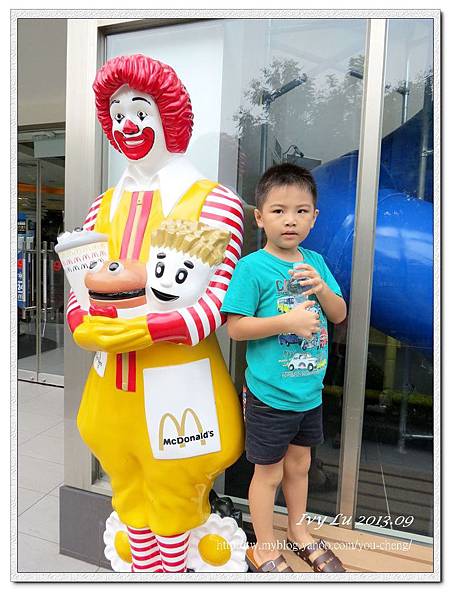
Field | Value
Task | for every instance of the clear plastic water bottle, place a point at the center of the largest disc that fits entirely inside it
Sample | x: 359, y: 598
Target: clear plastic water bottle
x: 296, y: 289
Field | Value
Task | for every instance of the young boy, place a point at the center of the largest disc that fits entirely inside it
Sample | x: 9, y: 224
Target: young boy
x: 286, y: 358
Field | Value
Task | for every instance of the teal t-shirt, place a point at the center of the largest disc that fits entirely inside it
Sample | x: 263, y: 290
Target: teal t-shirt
x: 284, y: 371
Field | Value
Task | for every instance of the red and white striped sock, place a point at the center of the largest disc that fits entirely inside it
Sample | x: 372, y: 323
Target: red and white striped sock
x: 145, y: 552
x: 174, y: 551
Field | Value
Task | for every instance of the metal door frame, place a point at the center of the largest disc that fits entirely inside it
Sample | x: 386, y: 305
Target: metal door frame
x: 362, y: 268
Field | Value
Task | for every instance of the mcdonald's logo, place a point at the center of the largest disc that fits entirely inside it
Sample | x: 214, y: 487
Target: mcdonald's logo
x: 181, y: 438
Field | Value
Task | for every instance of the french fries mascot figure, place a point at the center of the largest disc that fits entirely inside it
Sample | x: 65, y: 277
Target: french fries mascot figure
x: 159, y: 409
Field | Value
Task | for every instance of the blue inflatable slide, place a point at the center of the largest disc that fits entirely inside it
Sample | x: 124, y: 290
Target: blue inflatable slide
x: 402, y: 300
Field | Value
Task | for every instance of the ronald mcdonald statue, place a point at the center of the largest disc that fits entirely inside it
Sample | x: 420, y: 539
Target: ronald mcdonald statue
x: 159, y: 409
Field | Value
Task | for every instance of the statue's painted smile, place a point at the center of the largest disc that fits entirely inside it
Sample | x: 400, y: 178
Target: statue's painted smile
x: 138, y: 146
x: 162, y: 296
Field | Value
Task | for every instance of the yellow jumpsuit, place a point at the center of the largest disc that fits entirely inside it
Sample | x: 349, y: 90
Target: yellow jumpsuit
x: 167, y: 496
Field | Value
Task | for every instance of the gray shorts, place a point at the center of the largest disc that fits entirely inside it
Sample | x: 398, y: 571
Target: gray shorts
x: 269, y: 431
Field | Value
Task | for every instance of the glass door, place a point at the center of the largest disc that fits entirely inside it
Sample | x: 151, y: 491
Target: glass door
x: 26, y: 264
x: 299, y: 100
x: 396, y: 484
x: 40, y: 282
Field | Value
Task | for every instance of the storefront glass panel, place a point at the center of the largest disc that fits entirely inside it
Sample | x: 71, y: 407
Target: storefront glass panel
x: 40, y: 285
x: 291, y: 97
x: 396, y: 466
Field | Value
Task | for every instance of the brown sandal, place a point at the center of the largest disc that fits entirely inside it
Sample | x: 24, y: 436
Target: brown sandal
x: 270, y: 566
x: 327, y: 562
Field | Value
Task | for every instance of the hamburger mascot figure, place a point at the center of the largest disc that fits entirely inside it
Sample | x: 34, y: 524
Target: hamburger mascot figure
x: 159, y: 410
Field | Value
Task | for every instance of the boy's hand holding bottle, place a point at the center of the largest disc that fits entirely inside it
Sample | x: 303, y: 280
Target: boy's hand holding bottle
x: 311, y: 283
x: 301, y: 321
x: 306, y: 276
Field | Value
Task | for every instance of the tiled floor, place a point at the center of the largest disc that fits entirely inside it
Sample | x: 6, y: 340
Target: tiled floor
x: 51, y: 361
x: 40, y: 473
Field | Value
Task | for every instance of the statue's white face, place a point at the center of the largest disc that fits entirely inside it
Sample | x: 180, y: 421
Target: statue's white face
x: 137, y: 127
x: 174, y: 279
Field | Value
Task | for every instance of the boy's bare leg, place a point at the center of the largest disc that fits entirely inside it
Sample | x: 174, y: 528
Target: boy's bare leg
x: 262, y: 492
x: 295, y: 487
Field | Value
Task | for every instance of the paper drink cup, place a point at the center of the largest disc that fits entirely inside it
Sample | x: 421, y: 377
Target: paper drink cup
x: 77, y: 250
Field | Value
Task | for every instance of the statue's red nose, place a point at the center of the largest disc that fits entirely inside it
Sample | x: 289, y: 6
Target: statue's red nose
x: 130, y: 127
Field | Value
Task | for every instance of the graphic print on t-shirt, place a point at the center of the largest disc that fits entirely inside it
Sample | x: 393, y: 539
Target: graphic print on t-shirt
x: 300, y: 356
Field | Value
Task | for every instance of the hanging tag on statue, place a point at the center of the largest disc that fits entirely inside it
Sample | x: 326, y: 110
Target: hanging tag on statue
x: 99, y: 364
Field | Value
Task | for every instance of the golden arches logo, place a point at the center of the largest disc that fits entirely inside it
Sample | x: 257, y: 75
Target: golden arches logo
x: 180, y: 427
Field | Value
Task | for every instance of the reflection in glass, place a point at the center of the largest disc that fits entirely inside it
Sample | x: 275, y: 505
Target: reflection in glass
x: 302, y: 104
x: 395, y: 480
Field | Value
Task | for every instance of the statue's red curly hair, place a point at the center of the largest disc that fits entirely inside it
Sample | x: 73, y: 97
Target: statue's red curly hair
x: 152, y: 77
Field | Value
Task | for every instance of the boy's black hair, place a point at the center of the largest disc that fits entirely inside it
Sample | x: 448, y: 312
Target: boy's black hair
x: 284, y: 174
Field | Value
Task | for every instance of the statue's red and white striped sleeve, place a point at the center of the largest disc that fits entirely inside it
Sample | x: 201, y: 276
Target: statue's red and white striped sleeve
x: 91, y: 217
x: 74, y: 313
x: 222, y: 209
